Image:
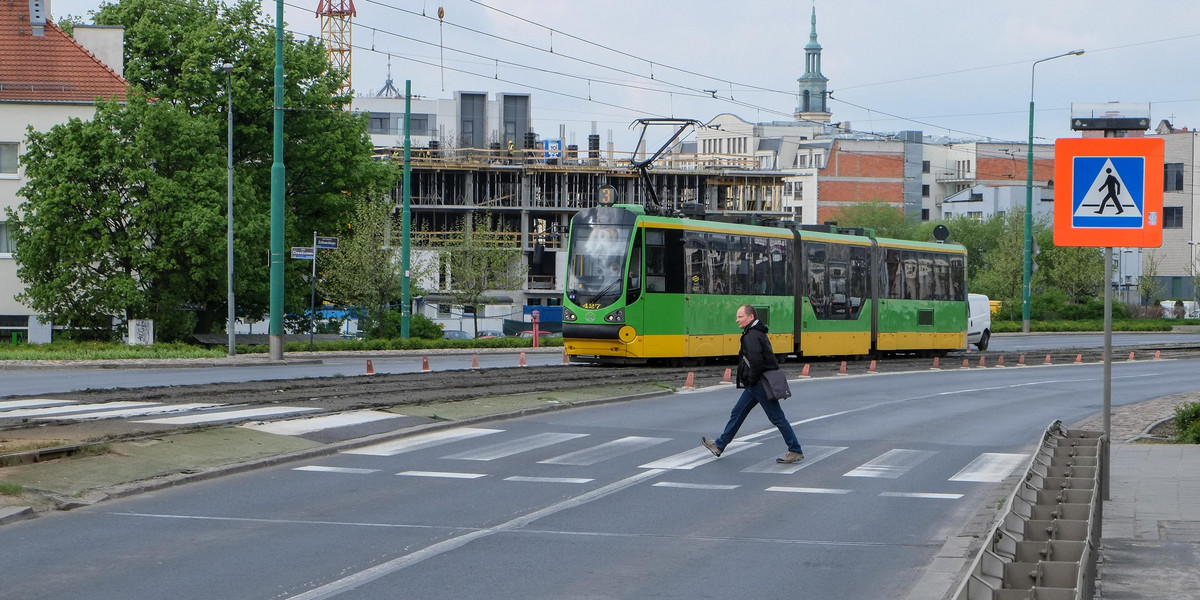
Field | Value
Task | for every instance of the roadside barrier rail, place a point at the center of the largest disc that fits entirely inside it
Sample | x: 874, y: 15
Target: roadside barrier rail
x: 1044, y: 546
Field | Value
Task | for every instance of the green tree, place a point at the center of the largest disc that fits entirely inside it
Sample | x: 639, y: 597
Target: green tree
x: 365, y: 270
x: 1002, y: 274
x: 114, y: 209
x: 1077, y: 271
x: 483, y: 255
x: 886, y: 218
x: 1148, y: 285
x: 173, y: 49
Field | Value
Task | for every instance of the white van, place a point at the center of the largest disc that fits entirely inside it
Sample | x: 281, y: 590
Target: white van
x: 979, y: 320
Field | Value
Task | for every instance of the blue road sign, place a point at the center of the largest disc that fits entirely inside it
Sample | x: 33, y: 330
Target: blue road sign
x: 327, y: 243
x: 1108, y: 192
x: 304, y: 252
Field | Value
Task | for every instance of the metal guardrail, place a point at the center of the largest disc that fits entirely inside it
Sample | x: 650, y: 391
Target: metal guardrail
x: 1045, y: 545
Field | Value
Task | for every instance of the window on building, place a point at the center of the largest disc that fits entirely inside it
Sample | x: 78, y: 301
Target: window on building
x: 1172, y: 217
x: 420, y: 124
x: 975, y: 214
x: 1173, y: 177
x: 925, y: 190
x: 924, y: 214
x: 8, y: 158
x: 6, y: 245
x: 380, y: 123
x: 924, y: 166
x: 802, y: 161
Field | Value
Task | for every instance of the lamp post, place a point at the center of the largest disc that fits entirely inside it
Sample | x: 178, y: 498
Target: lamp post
x: 228, y: 67
x: 1028, y: 274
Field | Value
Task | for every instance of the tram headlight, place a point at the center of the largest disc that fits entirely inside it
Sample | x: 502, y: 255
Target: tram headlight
x: 568, y: 315
x: 616, y: 316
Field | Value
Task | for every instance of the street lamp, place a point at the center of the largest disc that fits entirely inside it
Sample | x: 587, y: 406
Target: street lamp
x: 1029, y: 197
x: 228, y: 67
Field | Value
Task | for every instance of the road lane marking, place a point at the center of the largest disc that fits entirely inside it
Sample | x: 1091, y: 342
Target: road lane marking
x: 807, y: 490
x: 690, y: 459
x: 421, y: 442
x: 891, y: 464
x: 7, y: 405
x: 231, y: 415
x: 442, y: 474
x: 311, y: 424
x: 990, y: 467
x: 921, y: 495
x: 695, y: 486
x: 74, y: 408
x: 812, y: 454
x: 517, y: 446
x: 549, y: 479
x: 603, y: 452
x: 354, y: 580
x: 351, y: 470
x: 129, y: 412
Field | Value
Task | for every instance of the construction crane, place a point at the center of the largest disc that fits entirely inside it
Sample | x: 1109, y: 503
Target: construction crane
x: 335, y: 18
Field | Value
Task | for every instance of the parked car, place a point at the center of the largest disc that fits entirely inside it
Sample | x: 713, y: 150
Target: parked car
x: 454, y: 334
x: 489, y: 333
x: 979, y: 321
x: 528, y: 333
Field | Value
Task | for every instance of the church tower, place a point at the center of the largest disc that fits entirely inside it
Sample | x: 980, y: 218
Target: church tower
x: 814, y: 98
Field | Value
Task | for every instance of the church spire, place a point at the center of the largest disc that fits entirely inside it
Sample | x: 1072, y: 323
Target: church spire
x: 813, y: 85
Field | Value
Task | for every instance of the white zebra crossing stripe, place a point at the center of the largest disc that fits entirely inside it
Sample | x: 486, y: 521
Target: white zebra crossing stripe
x: 73, y: 408
x: 891, y: 464
x: 7, y: 405
x: 695, y: 486
x: 311, y: 424
x: 517, y: 446
x: 230, y: 415
x: 549, y: 479
x: 603, y: 452
x: 990, y: 467
x: 690, y: 459
x: 128, y: 412
x: 442, y: 474
x: 351, y: 470
x: 812, y: 454
x: 420, y: 442
x: 921, y: 495
x: 807, y: 490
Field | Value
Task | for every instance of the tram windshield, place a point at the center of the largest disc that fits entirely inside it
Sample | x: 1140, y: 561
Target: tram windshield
x: 596, y: 264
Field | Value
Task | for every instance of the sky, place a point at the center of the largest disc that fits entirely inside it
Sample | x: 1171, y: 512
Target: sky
x: 945, y: 67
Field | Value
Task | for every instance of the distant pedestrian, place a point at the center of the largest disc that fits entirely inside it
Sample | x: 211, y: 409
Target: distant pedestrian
x: 755, y: 358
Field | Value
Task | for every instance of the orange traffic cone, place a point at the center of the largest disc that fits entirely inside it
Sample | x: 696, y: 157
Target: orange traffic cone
x: 1021, y: 361
x: 424, y: 364
x: 966, y: 363
x: 935, y: 366
x: 842, y: 370
x: 1000, y: 361
x: 523, y: 361
x: 370, y: 369
x: 1156, y: 354
x: 728, y: 378
x: 1078, y: 358
x: 1130, y: 356
x: 871, y: 368
x: 804, y: 371
x: 566, y: 359
x: 690, y: 384
x: 474, y: 361
x: 982, y: 361
x: 1047, y: 360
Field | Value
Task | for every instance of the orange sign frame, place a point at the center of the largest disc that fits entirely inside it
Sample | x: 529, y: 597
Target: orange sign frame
x: 1077, y: 164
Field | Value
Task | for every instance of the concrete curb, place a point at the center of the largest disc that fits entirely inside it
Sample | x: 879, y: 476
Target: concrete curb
x: 13, y: 514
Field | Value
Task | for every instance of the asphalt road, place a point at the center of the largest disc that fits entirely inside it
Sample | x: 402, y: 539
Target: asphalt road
x: 613, y: 501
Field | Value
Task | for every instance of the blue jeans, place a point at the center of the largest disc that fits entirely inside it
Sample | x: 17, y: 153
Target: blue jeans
x: 751, y: 396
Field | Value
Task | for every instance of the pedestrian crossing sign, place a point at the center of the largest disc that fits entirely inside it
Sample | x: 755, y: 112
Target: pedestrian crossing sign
x: 1113, y: 192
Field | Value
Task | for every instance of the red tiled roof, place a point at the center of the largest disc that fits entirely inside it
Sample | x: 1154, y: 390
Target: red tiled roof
x: 49, y: 68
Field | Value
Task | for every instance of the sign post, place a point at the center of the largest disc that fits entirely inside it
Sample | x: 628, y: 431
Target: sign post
x: 1114, y: 198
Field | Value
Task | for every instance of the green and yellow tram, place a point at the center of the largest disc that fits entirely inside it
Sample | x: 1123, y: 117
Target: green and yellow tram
x: 643, y: 288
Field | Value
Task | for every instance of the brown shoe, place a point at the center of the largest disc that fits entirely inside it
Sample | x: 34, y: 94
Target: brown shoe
x: 790, y: 457
x: 711, y: 445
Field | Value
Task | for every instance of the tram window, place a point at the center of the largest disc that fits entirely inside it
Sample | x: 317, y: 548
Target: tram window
x: 941, y: 277
x: 860, y: 273
x: 895, y: 274
x: 781, y: 268
x: 925, y: 271
x: 740, y: 265
x: 718, y: 261
x: 816, y: 283
x: 759, y: 265
x: 957, y: 275
x: 633, y: 282
x: 912, y: 288
x: 695, y: 260
x: 838, y: 268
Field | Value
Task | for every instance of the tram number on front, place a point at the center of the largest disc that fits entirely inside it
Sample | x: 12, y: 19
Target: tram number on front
x: 591, y: 305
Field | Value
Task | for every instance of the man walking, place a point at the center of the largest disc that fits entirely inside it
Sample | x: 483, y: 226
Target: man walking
x: 756, y: 357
